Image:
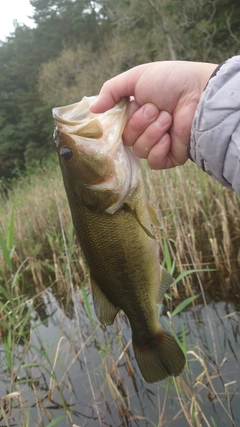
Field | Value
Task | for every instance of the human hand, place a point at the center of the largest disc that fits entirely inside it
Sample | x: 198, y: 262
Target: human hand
x: 165, y: 96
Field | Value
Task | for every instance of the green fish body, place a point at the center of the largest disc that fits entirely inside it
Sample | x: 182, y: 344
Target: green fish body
x: 105, y: 189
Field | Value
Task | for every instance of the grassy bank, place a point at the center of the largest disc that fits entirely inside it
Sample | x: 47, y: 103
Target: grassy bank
x: 199, y: 221
x: 200, y: 230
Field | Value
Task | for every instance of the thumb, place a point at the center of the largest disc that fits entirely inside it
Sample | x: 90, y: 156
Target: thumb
x: 114, y: 90
x: 103, y: 103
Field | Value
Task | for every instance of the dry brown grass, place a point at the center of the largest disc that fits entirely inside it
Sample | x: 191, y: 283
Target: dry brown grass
x: 199, y: 219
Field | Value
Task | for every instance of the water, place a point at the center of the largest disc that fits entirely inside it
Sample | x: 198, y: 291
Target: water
x: 88, y: 374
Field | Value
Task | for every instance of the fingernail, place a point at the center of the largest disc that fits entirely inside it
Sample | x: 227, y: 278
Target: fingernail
x: 150, y: 111
x: 164, y: 119
x: 164, y: 139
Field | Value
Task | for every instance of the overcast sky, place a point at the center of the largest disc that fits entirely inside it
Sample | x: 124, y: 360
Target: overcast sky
x: 11, y: 10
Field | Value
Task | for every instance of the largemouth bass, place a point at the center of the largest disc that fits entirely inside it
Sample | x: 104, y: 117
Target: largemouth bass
x: 105, y: 189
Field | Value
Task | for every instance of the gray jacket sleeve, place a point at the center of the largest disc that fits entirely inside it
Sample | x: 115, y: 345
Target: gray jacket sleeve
x: 215, y: 135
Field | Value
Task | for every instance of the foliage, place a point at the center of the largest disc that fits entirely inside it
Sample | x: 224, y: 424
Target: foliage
x: 74, y: 74
x: 25, y: 121
x: 210, y: 30
x: 77, y: 44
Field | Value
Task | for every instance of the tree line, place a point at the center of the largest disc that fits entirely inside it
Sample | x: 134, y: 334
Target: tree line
x: 76, y: 45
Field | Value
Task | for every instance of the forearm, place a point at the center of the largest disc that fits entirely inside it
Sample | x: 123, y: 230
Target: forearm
x: 215, y: 134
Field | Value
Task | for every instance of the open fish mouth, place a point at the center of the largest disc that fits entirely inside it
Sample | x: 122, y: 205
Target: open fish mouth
x: 77, y: 119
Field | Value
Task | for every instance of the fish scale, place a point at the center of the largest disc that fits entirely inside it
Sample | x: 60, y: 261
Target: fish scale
x: 107, y: 198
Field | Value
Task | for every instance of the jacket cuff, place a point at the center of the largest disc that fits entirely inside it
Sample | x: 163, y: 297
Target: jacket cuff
x: 215, y: 135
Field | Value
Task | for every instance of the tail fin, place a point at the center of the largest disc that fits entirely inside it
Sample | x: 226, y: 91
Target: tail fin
x: 159, y: 358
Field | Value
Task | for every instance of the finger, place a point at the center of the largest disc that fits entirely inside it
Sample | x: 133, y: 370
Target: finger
x: 152, y: 135
x: 140, y: 119
x: 159, y: 157
x: 168, y: 153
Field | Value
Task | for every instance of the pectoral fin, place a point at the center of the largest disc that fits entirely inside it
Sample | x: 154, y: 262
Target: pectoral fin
x: 166, y: 281
x: 153, y: 216
x: 104, y: 309
x: 135, y: 215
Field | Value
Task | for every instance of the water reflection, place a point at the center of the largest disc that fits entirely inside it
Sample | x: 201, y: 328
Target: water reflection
x: 77, y: 367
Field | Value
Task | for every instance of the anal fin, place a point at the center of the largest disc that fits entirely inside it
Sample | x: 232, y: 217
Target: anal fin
x: 104, y: 309
x: 166, y: 282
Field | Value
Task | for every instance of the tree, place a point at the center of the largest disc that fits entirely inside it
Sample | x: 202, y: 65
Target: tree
x: 210, y: 29
x: 25, y: 121
x: 75, y: 73
x: 64, y: 24
x: 78, y: 44
x: 19, y: 124
x: 140, y: 30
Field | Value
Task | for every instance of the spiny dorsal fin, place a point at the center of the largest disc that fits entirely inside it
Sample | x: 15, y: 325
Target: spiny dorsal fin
x: 104, y: 309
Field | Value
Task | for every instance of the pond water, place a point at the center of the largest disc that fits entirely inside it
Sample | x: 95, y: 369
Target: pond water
x: 77, y: 367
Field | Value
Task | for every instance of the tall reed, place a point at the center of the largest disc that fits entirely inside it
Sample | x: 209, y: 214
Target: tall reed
x: 199, y: 219
x: 199, y: 232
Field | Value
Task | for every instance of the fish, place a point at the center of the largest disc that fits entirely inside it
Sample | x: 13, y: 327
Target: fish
x: 105, y: 188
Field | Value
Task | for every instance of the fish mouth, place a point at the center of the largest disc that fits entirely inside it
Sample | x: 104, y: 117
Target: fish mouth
x: 74, y: 113
x: 90, y: 132
x: 77, y: 119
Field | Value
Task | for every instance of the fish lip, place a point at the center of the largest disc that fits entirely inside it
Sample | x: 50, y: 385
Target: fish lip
x: 73, y: 113
x: 76, y: 120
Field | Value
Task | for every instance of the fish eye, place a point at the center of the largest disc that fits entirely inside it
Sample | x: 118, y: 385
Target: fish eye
x: 66, y: 153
